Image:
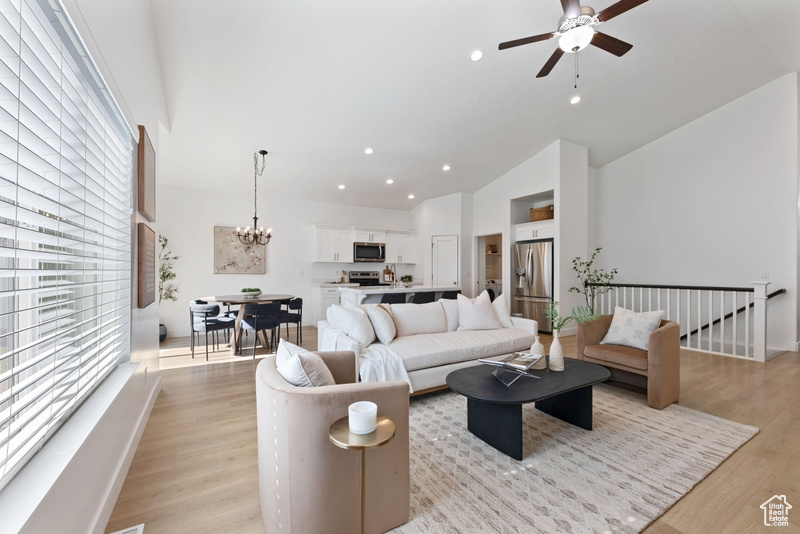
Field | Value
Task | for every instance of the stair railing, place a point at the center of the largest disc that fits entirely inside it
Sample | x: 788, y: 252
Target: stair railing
x: 722, y: 320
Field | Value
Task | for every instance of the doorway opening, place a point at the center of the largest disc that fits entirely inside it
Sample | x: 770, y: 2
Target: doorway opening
x: 489, y: 271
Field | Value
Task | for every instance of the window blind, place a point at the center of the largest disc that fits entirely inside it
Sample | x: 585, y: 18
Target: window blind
x: 66, y: 157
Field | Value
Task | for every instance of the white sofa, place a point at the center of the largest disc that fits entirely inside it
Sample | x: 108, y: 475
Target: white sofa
x: 429, y: 340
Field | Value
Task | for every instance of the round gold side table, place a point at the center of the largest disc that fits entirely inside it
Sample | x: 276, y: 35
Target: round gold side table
x: 342, y: 437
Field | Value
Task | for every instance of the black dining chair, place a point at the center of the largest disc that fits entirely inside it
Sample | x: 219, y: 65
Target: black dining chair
x: 422, y: 297
x: 204, y: 318
x: 294, y: 314
x: 261, y: 317
x: 393, y: 298
x: 452, y: 295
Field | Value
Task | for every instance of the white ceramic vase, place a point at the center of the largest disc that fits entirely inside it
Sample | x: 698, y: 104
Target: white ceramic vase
x: 556, y: 354
x: 538, y: 349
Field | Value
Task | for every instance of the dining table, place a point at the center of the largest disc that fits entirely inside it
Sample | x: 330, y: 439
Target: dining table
x: 241, y: 301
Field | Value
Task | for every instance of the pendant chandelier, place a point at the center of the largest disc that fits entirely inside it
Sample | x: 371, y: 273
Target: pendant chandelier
x: 256, y: 235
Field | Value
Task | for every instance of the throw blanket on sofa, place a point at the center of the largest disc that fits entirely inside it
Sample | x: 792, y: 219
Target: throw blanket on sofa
x: 379, y: 363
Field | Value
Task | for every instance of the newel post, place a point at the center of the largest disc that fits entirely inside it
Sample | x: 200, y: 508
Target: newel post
x: 760, y: 320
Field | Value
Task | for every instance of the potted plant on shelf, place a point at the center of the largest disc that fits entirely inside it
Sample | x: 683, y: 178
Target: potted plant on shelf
x: 594, y: 282
x: 166, y: 273
x: 579, y: 315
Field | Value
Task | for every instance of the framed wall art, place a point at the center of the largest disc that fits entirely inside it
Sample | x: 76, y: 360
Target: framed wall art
x: 146, y: 165
x: 146, y: 265
x: 233, y: 257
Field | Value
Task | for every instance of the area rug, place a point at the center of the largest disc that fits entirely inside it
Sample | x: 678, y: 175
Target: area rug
x: 617, y: 478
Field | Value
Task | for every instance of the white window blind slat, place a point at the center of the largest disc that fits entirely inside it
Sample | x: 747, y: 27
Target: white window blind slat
x: 65, y: 228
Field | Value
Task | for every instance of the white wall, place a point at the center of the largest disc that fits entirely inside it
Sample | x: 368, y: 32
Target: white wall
x: 189, y: 224
x: 712, y: 203
x: 441, y: 216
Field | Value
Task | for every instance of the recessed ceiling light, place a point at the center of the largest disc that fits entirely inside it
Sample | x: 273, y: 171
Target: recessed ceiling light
x: 476, y: 55
x: 575, y: 99
x: 410, y: 196
x: 389, y: 181
x: 446, y: 168
x: 341, y: 186
x: 367, y: 150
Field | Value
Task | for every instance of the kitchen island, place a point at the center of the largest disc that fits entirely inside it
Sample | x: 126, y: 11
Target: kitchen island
x: 373, y: 294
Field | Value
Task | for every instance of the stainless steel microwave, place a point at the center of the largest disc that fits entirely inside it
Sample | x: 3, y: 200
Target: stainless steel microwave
x: 369, y: 252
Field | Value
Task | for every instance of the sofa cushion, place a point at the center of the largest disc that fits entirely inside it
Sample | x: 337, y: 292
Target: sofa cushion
x: 451, y: 313
x: 501, y: 311
x: 306, y: 369
x: 477, y: 313
x: 618, y: 354
x: 412, y: 319
x: 632, y: 329
x: 382, y: 323
x: 430, y: 350
x: 353, y: 321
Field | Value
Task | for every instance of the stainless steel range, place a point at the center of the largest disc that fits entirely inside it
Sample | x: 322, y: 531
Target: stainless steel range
x: 366, y: 278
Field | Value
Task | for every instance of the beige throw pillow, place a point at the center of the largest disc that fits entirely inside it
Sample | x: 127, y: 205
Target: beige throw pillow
x: 501, y: 311
x: 352, y: 321
x: 306, y: 370
x: 382, y: 323
x: 477, y: 313
x: 631, y: 328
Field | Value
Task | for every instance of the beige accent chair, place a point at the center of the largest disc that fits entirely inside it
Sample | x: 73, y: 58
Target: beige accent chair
x: 309, y: 485
x: 657, y: 369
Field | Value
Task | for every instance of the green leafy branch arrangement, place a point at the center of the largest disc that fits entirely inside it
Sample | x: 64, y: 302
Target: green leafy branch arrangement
x: 166, y: 290
x: 580, y: 315
x: 598, y: 278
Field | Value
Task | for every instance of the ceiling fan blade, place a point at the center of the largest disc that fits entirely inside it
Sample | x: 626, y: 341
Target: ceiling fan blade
x: 550, y: 63
x: 610, y: 44
x: 572, y: 8
x: 525, y: 40
x: 617, y: 9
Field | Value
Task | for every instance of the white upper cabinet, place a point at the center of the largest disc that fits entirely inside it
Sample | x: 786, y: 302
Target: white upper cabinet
x: 366, y: 235
x: 333, y: 245
x: 401, y: 248
x: 535, y: 230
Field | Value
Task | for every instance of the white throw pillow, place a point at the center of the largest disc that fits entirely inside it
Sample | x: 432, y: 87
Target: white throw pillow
x: 477, y: 313
x: 382, y: 323
x: 501, y: 311
x: 413, y: 319
x: 285, y: 351
x: 306, y: 370
x: 451, y: 313
x: 632, y: 329
x: 353, y: 322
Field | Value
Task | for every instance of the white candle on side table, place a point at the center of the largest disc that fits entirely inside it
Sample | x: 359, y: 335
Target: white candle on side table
x: 362, y: 417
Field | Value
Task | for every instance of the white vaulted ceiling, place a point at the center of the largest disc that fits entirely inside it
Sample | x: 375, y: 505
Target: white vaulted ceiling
x: 316, y: 82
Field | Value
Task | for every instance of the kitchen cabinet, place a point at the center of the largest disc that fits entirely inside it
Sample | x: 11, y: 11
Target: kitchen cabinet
x: 401, y: 248
x: 369, y: 236
x: 534, y: 230
x: 324, y: 298
x: 333, y: 245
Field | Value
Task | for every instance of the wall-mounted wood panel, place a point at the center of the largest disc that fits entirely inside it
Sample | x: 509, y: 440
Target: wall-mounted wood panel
x: 147, y: 176
x: 146, y: 252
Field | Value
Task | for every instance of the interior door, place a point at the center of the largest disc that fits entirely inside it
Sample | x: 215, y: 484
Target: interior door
x: 444, y: 256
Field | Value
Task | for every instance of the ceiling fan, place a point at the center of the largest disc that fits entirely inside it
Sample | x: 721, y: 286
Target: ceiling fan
x: 576, y: 31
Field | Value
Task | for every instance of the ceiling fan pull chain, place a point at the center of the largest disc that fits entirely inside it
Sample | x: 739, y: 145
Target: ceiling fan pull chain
x: 577, y: 75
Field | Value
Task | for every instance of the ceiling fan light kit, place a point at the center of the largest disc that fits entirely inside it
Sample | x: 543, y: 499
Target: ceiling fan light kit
x: 576, y: 32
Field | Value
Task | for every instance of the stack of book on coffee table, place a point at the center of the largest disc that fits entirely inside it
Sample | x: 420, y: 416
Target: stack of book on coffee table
x: 509, y: 369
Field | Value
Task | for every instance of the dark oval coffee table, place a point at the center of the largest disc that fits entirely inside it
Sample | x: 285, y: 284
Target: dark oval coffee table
x: 494, y: 411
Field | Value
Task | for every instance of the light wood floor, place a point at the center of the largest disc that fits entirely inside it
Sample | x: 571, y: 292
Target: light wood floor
x: 195, y: 469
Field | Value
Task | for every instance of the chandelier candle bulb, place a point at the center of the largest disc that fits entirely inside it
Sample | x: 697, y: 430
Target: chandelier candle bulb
x: 362, y: 417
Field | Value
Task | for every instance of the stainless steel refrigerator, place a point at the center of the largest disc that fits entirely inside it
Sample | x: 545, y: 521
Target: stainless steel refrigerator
x: 533, y: 281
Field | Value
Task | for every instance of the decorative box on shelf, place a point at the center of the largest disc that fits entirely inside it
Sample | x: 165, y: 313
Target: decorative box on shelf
x: 542, y: 214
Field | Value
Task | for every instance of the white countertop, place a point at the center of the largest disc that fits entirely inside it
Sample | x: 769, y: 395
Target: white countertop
x: 380, y: 290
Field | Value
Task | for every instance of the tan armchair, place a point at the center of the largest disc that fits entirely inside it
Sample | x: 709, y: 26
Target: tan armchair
x: 657, y: 369
x: 307, y: 484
